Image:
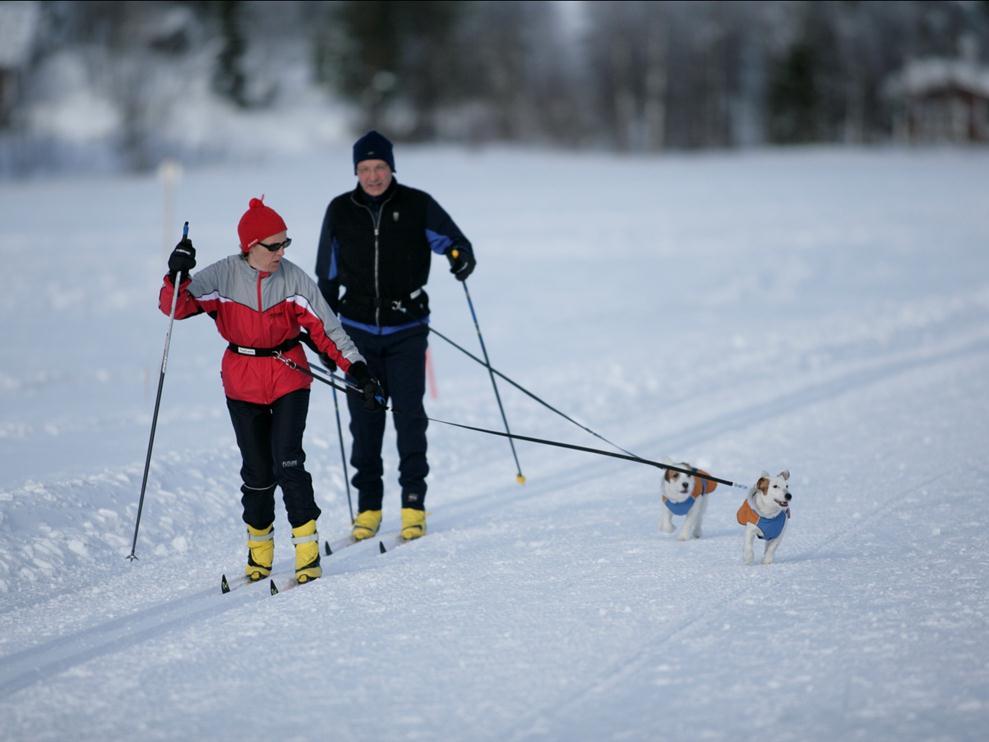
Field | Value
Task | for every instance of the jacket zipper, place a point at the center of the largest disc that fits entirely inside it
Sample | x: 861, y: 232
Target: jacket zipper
x: 377, y: 263
x: 376, y: 223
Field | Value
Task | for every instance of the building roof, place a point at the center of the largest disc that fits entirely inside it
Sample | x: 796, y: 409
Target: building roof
x: 18, y: 24
x: 921, y: 77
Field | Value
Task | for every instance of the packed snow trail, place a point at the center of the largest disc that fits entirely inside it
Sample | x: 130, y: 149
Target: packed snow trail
x: 818, y: 310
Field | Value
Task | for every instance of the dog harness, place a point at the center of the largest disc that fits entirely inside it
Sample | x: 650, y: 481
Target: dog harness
x: 771, y: 527
x: 682, y: 508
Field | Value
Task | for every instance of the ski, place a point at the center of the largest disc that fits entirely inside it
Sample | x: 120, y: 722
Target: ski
x: 224, y: 585
x: 387, y: 543
x: 393, y: 541
x: 332, y: 547
x: 273, y: 588
x: 235, y: 583
x: 227, y: 586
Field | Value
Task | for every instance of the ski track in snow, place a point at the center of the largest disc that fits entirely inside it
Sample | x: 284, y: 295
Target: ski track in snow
x: 117, y: 635
x: 554, y: 610
x: 703, y: 617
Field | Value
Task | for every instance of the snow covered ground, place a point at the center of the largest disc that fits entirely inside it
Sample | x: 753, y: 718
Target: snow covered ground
x: 823, y: 311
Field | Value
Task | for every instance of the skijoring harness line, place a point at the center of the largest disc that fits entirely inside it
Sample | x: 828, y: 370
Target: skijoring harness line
x: 514, y: 383
x: 346, y: 386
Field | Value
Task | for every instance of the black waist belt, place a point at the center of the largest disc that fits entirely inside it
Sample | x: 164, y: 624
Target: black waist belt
x: 264, y: 352
x: 370, y: 300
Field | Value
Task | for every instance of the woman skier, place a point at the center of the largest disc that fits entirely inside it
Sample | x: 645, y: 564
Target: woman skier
x: 261, y: 304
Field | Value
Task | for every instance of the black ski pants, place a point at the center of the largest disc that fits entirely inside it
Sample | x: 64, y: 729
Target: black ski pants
x: 398, y: 361
x: 270, y: 441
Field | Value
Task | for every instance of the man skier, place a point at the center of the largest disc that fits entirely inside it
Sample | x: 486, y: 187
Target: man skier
x: 376, y: 242
x: 261, y: 303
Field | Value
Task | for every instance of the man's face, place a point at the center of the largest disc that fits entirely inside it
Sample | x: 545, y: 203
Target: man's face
x: 374, y: 176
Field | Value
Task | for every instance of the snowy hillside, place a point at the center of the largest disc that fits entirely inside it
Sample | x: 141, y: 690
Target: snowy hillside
x: 823, y: 311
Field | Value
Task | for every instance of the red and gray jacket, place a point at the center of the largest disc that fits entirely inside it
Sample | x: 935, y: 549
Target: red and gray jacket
x: 262, y: 310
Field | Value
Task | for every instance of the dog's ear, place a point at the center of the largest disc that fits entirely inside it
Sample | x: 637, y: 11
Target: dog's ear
x: 785, y: 474
x: 668, y: 476
x: 763, y: 485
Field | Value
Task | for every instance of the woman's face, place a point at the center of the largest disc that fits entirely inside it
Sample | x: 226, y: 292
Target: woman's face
x: 262, y: 258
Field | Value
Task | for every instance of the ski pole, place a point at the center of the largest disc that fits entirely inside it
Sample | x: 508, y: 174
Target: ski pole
x: 511, y: 381
x: 343, y: 456
x: 494, y: 385
x: 307, y: 340
x: 161, y: 382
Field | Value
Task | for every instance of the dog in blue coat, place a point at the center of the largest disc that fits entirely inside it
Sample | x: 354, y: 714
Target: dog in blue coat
x: 685, y: 495
x: 765, y: 513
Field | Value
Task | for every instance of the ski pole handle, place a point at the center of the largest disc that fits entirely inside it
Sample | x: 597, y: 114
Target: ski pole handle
x: 178, y: 274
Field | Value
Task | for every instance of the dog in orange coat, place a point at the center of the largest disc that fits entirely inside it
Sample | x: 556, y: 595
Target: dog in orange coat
x: 764, y: 513
x: 685, y: 494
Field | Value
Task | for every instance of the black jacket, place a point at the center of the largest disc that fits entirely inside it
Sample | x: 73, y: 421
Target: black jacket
x: 381, y: 256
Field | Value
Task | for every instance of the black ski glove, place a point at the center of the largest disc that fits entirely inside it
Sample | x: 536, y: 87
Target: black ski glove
x: 183, y: 258
x: 370, y: 388
x: 328, y: 363
x: 463, y: 264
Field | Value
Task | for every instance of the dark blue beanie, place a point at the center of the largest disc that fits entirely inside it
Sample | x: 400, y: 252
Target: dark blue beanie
x: 373, y: 146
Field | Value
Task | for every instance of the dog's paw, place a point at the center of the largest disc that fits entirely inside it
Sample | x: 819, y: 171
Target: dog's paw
x: 666, y: 527
x: 697, y: 532
x: 747, y: 556
x: 768, y: 559
x: 684, y: 536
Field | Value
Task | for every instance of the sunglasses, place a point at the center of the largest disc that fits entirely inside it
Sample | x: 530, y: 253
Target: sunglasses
x: 277, y: 246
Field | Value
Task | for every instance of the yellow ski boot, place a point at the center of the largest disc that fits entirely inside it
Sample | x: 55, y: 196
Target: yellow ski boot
x: 366, y: 524
x: 413, y: 523
x: 260, y: 552
x: 306, y: 541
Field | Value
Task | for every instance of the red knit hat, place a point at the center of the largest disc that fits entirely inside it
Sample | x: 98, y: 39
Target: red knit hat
x: 258, y: 222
